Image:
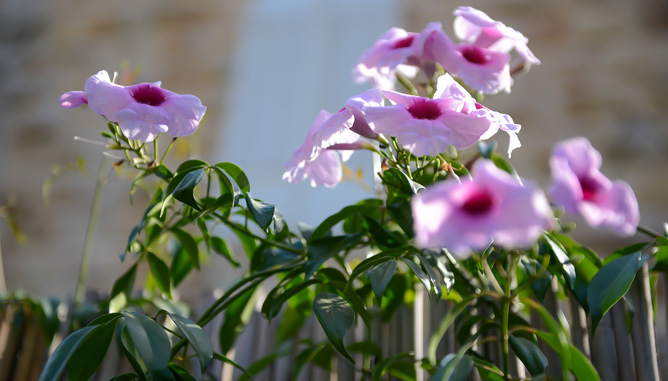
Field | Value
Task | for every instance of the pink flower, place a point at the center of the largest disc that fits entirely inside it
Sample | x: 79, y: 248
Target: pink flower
x: 480, y: 68
x: 379, y: 63
x: 580, y: 187
x: 491, y: 207
x: 428, y: 126
x: 142, y: 111
x: 501, y: 122
x: 349, y: 124
x: 321, y: 166
x: 476, y: 28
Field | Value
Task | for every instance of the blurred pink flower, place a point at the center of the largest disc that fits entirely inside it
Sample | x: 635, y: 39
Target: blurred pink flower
x: 142, y: 111
x: 476, y: 28
x: 321, y: 166
x: 491, y: 207
x: 428, y: 126
x: 580, y: 187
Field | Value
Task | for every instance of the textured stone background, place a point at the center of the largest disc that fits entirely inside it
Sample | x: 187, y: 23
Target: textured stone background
x: 603, y: 76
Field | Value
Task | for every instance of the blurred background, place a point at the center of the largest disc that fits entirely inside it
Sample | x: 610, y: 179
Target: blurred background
x: 264, y: 69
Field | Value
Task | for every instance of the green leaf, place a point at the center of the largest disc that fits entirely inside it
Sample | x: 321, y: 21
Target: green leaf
x: 530, y: 355
x: 397, y: 362
x: 150, y: 340
x: 262, y: 213
x: 581, y: 367
x: 160, y: 273
x: 189, y: 245
x: 227, y: 186
x: 57, y: 362
x: 382, y: 235
x: 272, y: 306
x: 237, y: 175
x: 610, y: 284
x: 89, y: 354
x: 224, y: 359
x: 661, y: 259
x: 396, y: 178
x: 320, y: 250
x: 503, y: 163
x: 220, y: 247
x: 635, y: 248
x: 453, y: 368
x: 237, y: 316
x: 348, y: 211
x: 432, y: 276
x: 418, y: 273
x: 380, y: 275
x: 180, y: 373
x: 181, y: 172
x: 567, y: 268
x: 47, y: 310
x: 336, y: 317
x: 122, y: 290
x: 184, y: 190
x: 199, y: 339
x: 181, y: 266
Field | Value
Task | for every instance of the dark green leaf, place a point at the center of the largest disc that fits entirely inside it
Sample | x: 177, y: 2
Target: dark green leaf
x: 88, y: 356
x: 567, y: 268
x: 262, y: 213
x: 160, y: 273
x: 382, y: 235
x: 453, y: 368
x: 184, y: 190
x: 418, y: 273
x: 224, y: 359
x: 58, y: 360
x: 331, y: 221
x: 581, y: 367
x: 322, y: 249
x: 394, y: 177
x: 530, y: 355
x: 380, y: 276
x: 197, y: 337
x: 180, y: 373
x: 336, y: 317
x: 181, y: 266
x: 237, y: 316
x: 661, y: 259
x: 635, y: 248
x: 48, y: 318
x: 126, y: 377
x: 237, y: 174
x: 122, y: 290
x: 189, y: 245
x: 220, y: 247
x: 272, y: 306
x: 432, y: 276
x: 150, y: 340
x: 610, y: 284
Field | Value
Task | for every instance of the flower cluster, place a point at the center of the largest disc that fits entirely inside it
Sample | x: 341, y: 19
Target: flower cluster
x: 142, y: 111
x: 481, y: 60
x: 442, y: 114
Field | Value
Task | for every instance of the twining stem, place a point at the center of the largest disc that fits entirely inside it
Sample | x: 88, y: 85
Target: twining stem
x: 93, y: 219
x: 3, y: 284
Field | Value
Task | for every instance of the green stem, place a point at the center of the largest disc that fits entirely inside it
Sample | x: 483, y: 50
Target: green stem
x: 3, y: 284
x: 169, y: 148
x: 90, y: 232
x: 648, y: 231
x: 155, y: 149
x: 507, y: 301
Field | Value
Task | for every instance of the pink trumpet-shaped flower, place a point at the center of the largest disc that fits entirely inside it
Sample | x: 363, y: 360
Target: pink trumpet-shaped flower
x: 476, y: 28
x: 428, y: 126
x: 580, y: 187
x: 379, y: 63
x: 480, y: 68
x: 321, y: 166
x: 491, y: 207
x: 142, y: 111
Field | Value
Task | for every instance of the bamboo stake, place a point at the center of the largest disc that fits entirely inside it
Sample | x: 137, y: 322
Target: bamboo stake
x: 642, y: 329
x: 622, y: 343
